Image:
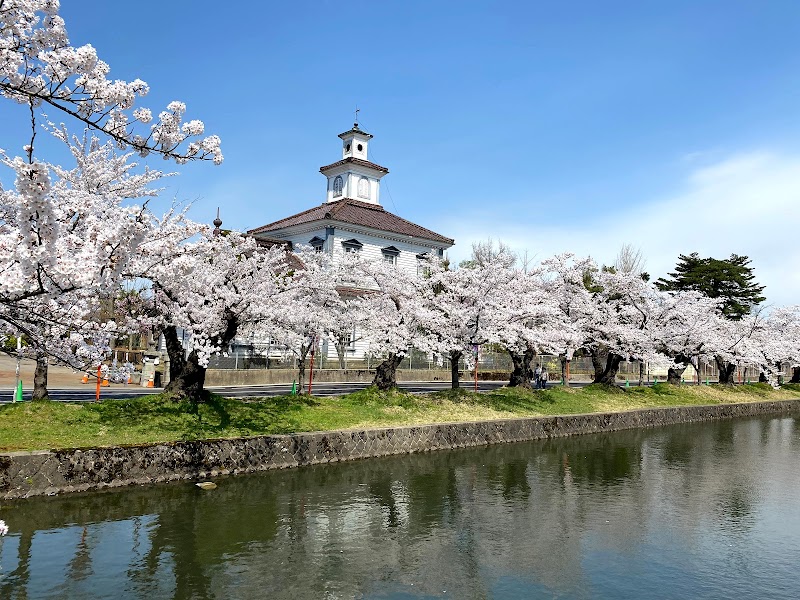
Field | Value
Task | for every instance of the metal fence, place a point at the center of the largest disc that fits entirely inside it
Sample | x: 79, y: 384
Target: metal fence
x: 490, y: 361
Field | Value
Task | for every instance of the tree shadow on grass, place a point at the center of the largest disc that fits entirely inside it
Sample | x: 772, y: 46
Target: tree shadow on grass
x: 217, y: 416
x: 272, y: 415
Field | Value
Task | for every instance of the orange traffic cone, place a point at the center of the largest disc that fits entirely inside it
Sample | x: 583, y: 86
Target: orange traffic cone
x: 150, y: 381
x: 105, y: 383
x: 85, y: 378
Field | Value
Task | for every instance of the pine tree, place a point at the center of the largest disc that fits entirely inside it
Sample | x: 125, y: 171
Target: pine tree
x: 731, y: 280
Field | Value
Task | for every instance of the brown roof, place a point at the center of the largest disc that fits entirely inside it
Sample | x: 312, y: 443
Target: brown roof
x: 292, y: 260
x: 355, y: 161
x: 356, y: 212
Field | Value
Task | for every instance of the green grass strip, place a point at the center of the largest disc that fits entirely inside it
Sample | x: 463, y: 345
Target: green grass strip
x: 159, y: 418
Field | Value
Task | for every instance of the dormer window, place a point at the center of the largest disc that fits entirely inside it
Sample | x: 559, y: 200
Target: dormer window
x: 338, y: 185
x: 390, y: 254
x: 352, y: 245
x: 317, y: 243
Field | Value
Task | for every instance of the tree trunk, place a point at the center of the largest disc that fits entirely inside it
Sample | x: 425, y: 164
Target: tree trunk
x: 175, y: 351
x: 726, y: 371
x: 762, y: 378
x: 563, y: 360
x: 189, y: 381
x: 608, y: 376
x: 795, y: 375
x: 455, y: 356
x: 301, y: 368
x: 599, y: 359
x: 675, y: 374
x: 340, y: 350
x: 522, y: 374
x: 187, y: 377
x: 386, y: 373
x: 641, y: 373
x: 40, y: 378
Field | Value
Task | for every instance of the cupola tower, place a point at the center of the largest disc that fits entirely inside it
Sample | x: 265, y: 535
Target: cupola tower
x: 354, y: 176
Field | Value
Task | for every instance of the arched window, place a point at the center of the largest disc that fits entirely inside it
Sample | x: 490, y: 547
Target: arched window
x: 338, y: 184
x: 363, y: 188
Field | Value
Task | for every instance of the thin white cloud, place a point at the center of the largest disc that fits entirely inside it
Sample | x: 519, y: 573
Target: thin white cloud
x: 746, y: 204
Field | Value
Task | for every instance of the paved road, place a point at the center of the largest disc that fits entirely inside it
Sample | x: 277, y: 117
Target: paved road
x: 87, y: 394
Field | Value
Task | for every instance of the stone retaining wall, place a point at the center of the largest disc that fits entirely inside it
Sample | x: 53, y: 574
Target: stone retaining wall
x: 24, y: 474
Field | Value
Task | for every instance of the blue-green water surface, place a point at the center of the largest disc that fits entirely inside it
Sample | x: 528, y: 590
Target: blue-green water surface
x: 694, y: 511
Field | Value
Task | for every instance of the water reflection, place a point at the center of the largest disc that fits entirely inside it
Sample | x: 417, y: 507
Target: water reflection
x: 706, y: 510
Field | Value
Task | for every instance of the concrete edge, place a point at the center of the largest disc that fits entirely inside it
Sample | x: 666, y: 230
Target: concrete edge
x: 48, y: 472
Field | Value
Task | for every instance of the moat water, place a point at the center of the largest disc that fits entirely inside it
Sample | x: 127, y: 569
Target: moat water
x: 689, y: 511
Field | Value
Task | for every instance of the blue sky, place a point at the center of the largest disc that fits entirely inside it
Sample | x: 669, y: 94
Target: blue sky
x: 551, y: 126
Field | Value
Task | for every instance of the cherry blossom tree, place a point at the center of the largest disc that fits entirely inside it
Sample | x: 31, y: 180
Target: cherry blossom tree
x: 212, y: 288
x: 39, y: 68
x: 53, y: 330
x: 347, y: 322
x: 66, y: 242
x: 684, y: 328
x: 398, y: 311
x: 779, y: 341
x: 307, y: 309
x: 563, y: 279
x: 465, y: 301
x: 523, y: 320
x: 66, y: 231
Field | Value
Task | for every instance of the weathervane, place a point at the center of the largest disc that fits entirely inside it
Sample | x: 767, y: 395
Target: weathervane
x: 356, y: 121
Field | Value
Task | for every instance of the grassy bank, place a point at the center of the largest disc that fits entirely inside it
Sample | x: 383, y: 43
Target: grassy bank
x: 47, y: 425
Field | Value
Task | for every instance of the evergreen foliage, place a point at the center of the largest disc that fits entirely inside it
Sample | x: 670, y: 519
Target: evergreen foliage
x: 731, y: 280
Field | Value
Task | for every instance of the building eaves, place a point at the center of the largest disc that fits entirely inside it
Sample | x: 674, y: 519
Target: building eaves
x: 355, y: 161
x: 355, y: 212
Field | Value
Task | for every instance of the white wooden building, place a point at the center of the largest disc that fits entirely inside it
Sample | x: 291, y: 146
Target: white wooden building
x: 351, y: 219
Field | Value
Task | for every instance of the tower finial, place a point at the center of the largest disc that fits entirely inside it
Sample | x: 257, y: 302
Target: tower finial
x: 217, y: 223
x: 355, y: 125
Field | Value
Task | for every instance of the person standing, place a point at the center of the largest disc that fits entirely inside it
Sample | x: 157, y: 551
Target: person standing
x: 537, y: 374
x: 543, y: 379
